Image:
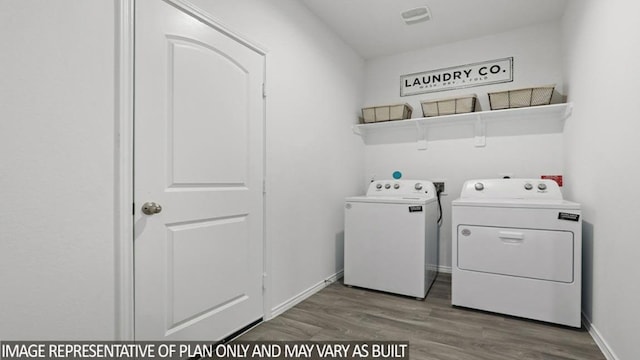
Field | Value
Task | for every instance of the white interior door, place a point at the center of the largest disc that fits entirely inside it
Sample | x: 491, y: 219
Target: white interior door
x: 199, y: 155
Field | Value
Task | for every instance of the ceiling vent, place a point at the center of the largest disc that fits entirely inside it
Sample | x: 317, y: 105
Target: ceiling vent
x: 416, y: 15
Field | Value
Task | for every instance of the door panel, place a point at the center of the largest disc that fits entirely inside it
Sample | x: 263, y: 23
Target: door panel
x: 205, y: 83
x: 192, y: 247
x: 530, y: 253
x: 199, y: 154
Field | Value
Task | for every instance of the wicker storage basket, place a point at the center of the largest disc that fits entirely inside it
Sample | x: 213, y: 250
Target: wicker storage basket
x: 386, y: 113
x: 449, y: 106
x: 521, y: 97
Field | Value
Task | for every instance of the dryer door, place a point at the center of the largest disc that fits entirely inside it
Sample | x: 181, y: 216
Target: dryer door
x: 529, y: 253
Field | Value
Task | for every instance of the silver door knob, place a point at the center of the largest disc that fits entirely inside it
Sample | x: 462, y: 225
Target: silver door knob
x: 150, y: 208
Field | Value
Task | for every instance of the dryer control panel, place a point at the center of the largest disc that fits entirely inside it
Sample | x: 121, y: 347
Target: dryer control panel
x: 511, y: 189
x: 421, y: 189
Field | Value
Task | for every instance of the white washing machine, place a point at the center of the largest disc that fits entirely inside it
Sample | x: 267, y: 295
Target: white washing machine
x: 391, y: 237
x: 517, y: 250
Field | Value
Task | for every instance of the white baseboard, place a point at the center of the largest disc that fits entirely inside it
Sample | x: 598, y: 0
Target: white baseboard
x: 600, y: 341
x: 279, y: 309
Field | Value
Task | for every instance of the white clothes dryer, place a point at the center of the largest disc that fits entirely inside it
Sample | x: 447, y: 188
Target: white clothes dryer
x: 517, y: 250
x: 391, y: 237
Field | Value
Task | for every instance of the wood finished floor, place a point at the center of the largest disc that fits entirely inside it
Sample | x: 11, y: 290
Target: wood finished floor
x: 434, y: 328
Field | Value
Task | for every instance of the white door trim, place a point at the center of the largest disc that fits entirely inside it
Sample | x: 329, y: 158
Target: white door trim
x: 203, y: 16
x: 124, y: 147
x: 123, y: 249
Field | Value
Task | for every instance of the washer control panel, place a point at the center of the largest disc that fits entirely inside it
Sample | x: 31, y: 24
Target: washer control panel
x: 402, y: 188
x: 511, y: 189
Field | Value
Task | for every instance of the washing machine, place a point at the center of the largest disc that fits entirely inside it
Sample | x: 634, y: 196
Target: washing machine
x: 391, y: 237
x: 517, y: 250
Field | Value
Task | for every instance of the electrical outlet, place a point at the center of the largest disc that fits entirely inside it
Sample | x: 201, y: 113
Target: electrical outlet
x: 439, y: 186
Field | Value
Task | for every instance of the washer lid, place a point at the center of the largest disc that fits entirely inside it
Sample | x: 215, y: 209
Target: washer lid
x: 389, y: 200
x: 518, y: 203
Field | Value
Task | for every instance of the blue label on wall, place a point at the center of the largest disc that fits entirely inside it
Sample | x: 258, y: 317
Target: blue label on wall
x: 397, y: 175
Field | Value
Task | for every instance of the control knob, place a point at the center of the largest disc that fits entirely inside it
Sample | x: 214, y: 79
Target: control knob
x: 479, y: 186
x: 378, y: 186
x: 542, y: 186
x: 418, y: 186
x: 387, y: 186
x: 396, y: 186
x: 528, y: 186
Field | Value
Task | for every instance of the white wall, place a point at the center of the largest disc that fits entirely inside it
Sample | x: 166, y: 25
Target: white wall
x: 58, y: 175
x: 601, y: 162
x: 537, y: 61
x: 57, y: 169
x: 314, y: 86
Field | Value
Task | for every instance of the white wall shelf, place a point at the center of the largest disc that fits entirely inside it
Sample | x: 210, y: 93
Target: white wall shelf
x: 547, y: 119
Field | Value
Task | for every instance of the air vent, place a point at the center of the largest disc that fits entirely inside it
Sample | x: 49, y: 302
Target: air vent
x: 416, y: 15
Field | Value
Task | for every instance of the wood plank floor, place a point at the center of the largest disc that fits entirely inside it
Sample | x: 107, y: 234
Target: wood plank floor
x: 434, y: 328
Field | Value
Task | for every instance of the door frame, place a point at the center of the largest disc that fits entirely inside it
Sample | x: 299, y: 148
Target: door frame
x: 124, y: 165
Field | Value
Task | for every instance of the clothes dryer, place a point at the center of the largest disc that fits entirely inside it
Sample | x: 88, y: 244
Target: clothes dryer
x: 517, y: 250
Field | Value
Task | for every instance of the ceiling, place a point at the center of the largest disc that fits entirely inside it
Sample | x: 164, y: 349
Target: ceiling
x: 375, y: 28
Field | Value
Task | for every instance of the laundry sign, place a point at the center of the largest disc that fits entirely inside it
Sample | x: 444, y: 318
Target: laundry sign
x: 457, y: 77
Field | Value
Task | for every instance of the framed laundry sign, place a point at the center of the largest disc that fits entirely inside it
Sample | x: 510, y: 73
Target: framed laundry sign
x: 457, y: 77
